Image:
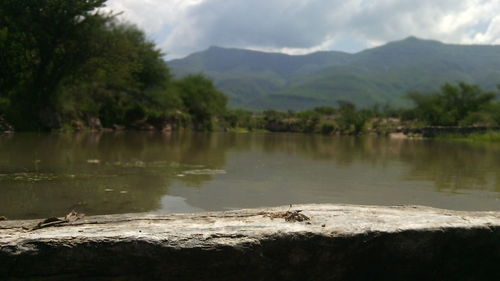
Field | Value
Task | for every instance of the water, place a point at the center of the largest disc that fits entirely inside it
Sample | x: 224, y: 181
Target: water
x: 50, y: 175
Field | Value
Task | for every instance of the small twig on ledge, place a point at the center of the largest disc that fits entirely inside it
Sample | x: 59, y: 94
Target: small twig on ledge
x: 289, y: 216
x: 49, y: 222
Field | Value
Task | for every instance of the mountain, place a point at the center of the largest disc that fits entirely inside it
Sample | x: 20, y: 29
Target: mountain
x: 259, y: 80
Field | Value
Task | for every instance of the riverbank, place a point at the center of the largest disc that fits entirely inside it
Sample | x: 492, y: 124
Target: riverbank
x: 486, y: 137
x: 306, y: 242
x: 467, y: 134
x: 391, y: 127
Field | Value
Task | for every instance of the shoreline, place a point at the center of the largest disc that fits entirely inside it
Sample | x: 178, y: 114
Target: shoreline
x: 455, y: 133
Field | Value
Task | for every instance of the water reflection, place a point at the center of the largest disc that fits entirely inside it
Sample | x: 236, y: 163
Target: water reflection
x: 452, y: 166
x: 49, y: 175
x: 455, y: 166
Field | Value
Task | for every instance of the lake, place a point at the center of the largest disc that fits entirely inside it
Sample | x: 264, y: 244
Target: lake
x: 44, y: 175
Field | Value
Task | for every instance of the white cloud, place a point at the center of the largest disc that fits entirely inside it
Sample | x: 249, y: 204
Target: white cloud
x: 300, y: 26
x: 447, y: 20
x: 153, y: 15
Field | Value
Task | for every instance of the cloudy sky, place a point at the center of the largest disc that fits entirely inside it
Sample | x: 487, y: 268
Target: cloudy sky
x: 181, y: 27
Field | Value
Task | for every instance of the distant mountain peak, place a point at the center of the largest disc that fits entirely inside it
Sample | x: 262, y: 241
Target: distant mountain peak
x: 412, y: 38
x: 416, y: 40
x: 233, y: 50
x: 407, y: 46
x: 263, y: 80
x: 213, y: 47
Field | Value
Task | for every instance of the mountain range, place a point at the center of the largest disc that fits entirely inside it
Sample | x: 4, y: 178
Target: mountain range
x: 259, y: 80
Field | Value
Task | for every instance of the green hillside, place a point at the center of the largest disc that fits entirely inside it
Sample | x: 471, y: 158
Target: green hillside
x: 258, y: 80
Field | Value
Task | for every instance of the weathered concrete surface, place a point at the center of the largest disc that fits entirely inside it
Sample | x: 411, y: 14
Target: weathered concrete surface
x: 339, y: 242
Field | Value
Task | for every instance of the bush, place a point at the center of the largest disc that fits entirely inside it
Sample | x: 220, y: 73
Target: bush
x: 327, y: 128
x: 452, y: 105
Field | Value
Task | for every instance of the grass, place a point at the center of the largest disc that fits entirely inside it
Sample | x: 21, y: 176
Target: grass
x: 245, y: 130
x: 238, y: 130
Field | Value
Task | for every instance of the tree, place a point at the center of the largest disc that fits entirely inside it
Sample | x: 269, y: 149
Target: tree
x: 309, y: 120
x: 350, y: 120
x: 44, y: 41
x: 201, y: 99
x: 452, y: 105
x: 64, y: 61
x: 325, y: 110
x: 125, y: 80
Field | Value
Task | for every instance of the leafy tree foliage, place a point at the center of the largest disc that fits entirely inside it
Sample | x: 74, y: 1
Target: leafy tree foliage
x: 44, y: 41
x: 325, y: 110
x: 240, y: 118
x: 452, y: 106
x: 350, y: 120
x: 201, y: 99
x: 125, y: 81
x: 309, y: 120
x: 64, y: 60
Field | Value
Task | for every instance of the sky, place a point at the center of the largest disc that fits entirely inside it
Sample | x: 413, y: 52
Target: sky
x: 181, y: 27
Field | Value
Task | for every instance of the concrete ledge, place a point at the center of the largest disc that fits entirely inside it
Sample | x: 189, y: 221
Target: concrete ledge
x: 338, y: 242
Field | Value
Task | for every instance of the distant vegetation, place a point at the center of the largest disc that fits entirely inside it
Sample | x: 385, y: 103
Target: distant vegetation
x: 66, y: 64
x: 258, y: 81
x: 460, y: 105
x: 344, y: 119
x: 454, y: 105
